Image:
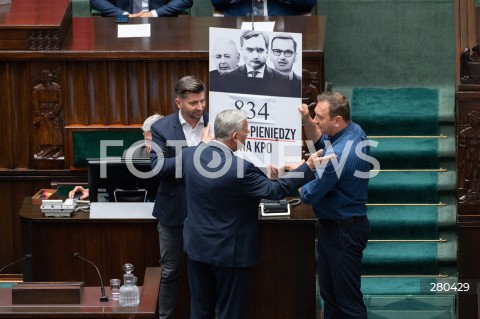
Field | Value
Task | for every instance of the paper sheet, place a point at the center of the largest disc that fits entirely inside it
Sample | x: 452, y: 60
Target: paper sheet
x: 134, y: 30
x: 259, y: 26
x: 121, y: 210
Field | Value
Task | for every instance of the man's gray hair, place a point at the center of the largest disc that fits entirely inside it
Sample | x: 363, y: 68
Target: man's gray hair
x: 146, y: 127
x: 227, y: 122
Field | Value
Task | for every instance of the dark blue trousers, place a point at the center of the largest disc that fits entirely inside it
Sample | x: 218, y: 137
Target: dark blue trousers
x: 229, y: 287
x: 340, y: 251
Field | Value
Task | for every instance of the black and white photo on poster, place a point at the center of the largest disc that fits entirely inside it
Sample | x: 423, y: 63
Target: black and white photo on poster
x: 260, y: 72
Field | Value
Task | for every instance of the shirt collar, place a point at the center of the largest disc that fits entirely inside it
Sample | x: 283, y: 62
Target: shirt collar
x: 183, y: 122
x: 261, y: 70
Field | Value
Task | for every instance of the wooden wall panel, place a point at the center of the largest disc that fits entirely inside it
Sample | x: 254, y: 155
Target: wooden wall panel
x: 137, y: 86
x: 7, y: 253
x: 76, y: 109
x: 13, y: 191
x: 6, y: 131
x: 97, y: 81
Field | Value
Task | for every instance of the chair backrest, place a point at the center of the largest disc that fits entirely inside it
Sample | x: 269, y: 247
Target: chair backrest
x: 130, y: 195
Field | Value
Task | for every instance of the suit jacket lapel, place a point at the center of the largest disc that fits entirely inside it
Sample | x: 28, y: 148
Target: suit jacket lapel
x: 177, y: 128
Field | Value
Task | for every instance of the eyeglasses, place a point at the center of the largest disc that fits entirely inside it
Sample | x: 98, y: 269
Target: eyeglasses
x: 286, y: 53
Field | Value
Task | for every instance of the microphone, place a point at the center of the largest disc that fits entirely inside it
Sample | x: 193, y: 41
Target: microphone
x: 104, y: 297
x: 27, y: 256
x: 253, y: 14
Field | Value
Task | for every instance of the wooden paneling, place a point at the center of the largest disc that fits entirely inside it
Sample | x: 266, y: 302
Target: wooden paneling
x: 467, y: 127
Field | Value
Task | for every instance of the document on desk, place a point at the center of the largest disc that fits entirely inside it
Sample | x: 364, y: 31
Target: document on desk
x: 259, y: 26
x: 121, y: 210
x: 134, y: 30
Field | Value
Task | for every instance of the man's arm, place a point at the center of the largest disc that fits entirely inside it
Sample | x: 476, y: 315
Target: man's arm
x: 173, y: 8
x: 325, y: 180
x: 106, y: 8
x: 257, y: 184
x: 163, y: 154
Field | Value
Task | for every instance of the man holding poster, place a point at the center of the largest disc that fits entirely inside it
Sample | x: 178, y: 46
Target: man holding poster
x: 267, y: 95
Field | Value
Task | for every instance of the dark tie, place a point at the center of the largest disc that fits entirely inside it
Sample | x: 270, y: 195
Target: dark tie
x: 253, y: 74
x: 258, y: 9
x: 137, y: 6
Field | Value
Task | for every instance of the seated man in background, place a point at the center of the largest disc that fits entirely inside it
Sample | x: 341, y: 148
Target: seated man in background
x: 264, y: 8
x: 141, y: 8
x: 139, y: 152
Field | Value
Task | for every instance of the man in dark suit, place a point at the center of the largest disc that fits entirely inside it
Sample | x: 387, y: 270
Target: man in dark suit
x: 225, y: 56
x: 255, y: 76
x: 146, y: 8
x: 182, y: 129
x: 221, y: 228
x: 274, y: 7
x: 283, y: 55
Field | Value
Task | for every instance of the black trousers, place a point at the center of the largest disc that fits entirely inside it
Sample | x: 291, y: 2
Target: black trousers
x: 340, y: 250
x: 228, y: 288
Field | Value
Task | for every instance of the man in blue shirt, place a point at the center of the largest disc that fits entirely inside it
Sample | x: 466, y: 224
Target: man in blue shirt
x: 338, y: 196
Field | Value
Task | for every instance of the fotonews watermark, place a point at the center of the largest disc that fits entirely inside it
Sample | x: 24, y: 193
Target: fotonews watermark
x: 218, y: 165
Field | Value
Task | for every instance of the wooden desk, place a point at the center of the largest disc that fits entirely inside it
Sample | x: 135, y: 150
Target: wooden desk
x: 34, y: 25
x: 90, y: 306
x: 284, y: 280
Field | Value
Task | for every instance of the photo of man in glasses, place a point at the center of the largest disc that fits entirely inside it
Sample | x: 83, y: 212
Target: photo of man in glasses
x: 283, y: 56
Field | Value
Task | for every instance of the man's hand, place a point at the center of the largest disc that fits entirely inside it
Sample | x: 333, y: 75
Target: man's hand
x: 145, y: 14
x: 79, y: 189
x: 206, y: 136
x: 315, y: 159
x: 272, y: 171
x: 312, y: 131
x: 303, y: 109
x: 141, y: 14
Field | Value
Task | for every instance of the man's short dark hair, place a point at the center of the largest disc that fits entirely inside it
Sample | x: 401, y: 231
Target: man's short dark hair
x: 286, y: 37
x: 187, y: 84
x: 251, y: 34
x: 338, y: 105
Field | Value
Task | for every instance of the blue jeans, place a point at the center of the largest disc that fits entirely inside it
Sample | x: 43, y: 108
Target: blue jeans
x: 171, y: 259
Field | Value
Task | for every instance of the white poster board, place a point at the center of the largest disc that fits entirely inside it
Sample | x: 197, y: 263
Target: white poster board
x: 260, y: 72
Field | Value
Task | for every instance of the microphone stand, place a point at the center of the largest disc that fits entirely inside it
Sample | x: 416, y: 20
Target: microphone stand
x: 253, y: 14
x: 27, y: 256
x: 104, y: 297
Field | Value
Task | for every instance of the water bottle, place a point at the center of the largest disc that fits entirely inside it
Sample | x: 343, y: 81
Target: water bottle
x: 129, y: 292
